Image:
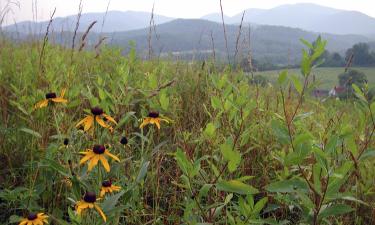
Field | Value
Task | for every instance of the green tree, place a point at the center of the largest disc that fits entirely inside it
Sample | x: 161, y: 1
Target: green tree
x: 349, y: 78
x: 362, y: 55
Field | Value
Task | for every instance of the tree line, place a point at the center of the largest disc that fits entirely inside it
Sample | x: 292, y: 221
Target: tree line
x: 360, y: 53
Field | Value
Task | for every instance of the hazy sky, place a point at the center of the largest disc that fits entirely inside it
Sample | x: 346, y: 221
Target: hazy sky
x: 172, y: 8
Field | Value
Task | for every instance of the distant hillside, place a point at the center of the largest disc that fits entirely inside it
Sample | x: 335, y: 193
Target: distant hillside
x: 114, y: 21
x: 307, y: 16
x: 273, y: 43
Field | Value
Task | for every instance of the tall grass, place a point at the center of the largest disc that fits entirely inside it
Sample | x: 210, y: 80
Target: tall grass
x: 232, y: 152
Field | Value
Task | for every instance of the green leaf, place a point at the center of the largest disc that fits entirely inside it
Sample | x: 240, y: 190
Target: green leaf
x: 359, y: 93
x: 55, y: 166
x: 308, y: 44
x: 281, y: 131
x: 369, y: 153
x: 185, y: 165
x: 334, y: 210
x: 297, y: 84
x: 203, y: 192
x: 231, y: 155
x: 288, y: 186
x: 282, y: 77
x: 142, y: 172
x: 102, y: 94
x: 164, y: 101
x: 210, y: 130
x: 260, y: 205
x: 305, y: 63
x: 215, y: 102
x: 31, y: 132
x: 236, y: 186
x: 111, y: 201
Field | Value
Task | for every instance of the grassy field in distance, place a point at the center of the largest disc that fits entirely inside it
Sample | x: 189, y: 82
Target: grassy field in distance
x: 327, y: 76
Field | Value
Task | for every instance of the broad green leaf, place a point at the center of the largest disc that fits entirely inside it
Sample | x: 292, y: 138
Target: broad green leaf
x: 142, y: 172
x: 164, y: 101
x: 236, y: 186
x: 297, y: 84
x: 369, y: 153
x: 335, y: 210
x: 210, y: 130
x: 185, y: 165
x: 111, y: 201
x: 288, y: 186
x: 231, y: 155
x: 282, y: 77
x: 260, y: 205
x: 281, y: 131
x: 31, y: 132
x: 215, y: 102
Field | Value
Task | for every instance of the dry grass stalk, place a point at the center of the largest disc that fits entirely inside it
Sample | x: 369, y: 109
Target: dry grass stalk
x: 84, y: 36
x: 97, y: 46
x: 150, y: 32
x: 238, y: 36
x: 225, y: 32
x: 76, y: 29
x: 45, y: 40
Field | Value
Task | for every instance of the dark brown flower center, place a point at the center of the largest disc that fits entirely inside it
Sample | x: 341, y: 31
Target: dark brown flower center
x: 124, y: 140
x: 90, y: 197
x: 32, y: 216
x: 97, y: 111
x: 50, y: 95
x: 107, y: 183
x: 98, y: 149
x: 66, y: 141
x: 153, y: 114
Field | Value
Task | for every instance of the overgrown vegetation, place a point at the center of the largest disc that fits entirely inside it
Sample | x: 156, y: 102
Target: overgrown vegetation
x: 227, y: 152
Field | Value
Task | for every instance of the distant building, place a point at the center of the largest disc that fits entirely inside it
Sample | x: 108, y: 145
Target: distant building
x: 320, y: 93
x: 337, y: 90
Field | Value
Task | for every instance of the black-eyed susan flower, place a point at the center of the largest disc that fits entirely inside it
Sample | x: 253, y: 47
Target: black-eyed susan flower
x: 153, y: 118
x: 89, y: 202
x: 108, y: 187
x: 99, y: 116
x: 95, y: 154
x: 51, y: 97
x: 124, y: 141
x: 34, y: 219
x: 66, y: 141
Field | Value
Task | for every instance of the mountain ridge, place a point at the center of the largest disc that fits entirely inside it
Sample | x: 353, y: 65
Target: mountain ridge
x: 307, y: 16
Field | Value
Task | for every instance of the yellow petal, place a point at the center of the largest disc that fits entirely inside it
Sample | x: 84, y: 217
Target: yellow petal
x: 102, y: 192
x: 112, y: 156
x: 38, y: 222
x: 63, y: 92
x: 59, y: 100
x: 105, y: 163
x: 144, y: 122
x: 23, y: 222
x: 101, y: 122
x: 155, y: 121
x: 109, y: 118
x: 87, y: 157
x: 93, y: 162
x: 116, y: 188
x: 89, y: 123
x: 88, y: 151
x: 82, y: 121
x: 41, y: 104
x: 100, y: 212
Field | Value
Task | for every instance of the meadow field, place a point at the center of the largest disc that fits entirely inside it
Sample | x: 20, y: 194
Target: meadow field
x: 327, y: 77
x: 95, y: 137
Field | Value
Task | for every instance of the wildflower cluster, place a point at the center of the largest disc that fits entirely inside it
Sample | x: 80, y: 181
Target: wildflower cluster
x: 91, y: 156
